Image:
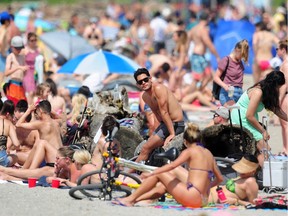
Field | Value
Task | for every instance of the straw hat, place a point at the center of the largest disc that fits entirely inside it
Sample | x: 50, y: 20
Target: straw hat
x: 245, y: 166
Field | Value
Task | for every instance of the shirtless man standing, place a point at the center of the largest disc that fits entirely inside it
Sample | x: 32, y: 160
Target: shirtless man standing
x: 15, y: 68
x: 4, y: 44
x: 49, y: 132
x: 200, y: 67
x: 166, y: 109
x: 263, y: 41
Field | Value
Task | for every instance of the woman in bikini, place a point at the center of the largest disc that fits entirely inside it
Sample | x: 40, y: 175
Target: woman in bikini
x: 263, y: 41
x: 72, y: 168
x: 189, y: 187
x: 7, y: 129
x: 242, y: 190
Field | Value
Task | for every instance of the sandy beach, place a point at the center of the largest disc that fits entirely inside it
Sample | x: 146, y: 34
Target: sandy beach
x: 21, y: 200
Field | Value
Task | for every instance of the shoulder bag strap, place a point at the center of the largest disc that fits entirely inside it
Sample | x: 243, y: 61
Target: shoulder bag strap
x: 224, y: 72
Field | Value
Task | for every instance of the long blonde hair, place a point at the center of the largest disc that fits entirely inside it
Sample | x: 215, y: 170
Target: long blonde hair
x: 78, y: 101
x: 244, y: 47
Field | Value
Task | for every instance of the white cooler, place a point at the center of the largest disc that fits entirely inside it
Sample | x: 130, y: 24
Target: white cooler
x: 279, y: 173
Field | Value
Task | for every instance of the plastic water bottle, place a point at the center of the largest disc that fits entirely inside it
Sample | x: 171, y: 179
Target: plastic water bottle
x: 116, y: 93
x: 231, y: 91
x: 221, y: 195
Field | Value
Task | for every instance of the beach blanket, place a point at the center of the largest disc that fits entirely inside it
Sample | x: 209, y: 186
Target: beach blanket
x: 271, y: 202
x: 211, y: 206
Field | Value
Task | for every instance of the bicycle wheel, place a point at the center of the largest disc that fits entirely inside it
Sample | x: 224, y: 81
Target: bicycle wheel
x: 99, y: 190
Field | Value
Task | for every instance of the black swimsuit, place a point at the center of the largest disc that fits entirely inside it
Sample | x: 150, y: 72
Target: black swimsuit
x: 3, y: 140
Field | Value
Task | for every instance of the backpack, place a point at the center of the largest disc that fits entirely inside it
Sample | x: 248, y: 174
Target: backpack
x: 216, y: 88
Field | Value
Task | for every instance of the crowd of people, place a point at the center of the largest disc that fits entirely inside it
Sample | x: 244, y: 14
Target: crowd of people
x: 175, y: 76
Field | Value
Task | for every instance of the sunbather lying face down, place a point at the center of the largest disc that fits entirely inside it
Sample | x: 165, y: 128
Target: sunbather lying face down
x: 192, y: 191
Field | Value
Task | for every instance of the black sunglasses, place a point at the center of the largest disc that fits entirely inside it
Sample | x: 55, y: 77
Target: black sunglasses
x: 140, y: 82
x: 215, y: 115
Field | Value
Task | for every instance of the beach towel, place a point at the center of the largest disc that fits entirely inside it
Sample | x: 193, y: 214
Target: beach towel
x: 210, y: 206
x: 271, y: 202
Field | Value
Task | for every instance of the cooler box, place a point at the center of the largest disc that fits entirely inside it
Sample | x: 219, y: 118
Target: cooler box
x: 279, y: 173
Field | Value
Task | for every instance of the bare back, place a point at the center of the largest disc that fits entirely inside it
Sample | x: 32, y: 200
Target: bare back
x: 198, y: 168
x: 50, y: 131
x: 173, y: 107
x: 263, y: 42
x: 57, y: 103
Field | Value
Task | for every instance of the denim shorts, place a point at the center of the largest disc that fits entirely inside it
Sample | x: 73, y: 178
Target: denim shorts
x: 223, y: 96
x: 4, y: 160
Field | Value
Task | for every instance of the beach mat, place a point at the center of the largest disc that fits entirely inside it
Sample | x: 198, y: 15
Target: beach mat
x: 211, y: 207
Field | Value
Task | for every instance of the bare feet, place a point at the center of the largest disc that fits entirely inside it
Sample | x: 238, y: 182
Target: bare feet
x: 122, y: 202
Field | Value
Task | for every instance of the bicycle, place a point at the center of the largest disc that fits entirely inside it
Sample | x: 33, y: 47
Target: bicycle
x: 107, y: 184
x: 111, y: 184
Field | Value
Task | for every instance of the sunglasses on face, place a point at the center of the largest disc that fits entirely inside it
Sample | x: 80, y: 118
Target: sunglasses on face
x: 18, y: 48
x: 215, y: 115
x: 140, y: 82
x: 33, y: 40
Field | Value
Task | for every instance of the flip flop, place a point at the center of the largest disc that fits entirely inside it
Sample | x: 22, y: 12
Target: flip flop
x: 282, y: 154
x: 118, y: 202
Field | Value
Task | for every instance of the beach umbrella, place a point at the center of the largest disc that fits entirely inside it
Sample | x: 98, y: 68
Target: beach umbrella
x: 22, y: 21
x: 65, y: 44
x: 100, y: 62
x: 228, y: 33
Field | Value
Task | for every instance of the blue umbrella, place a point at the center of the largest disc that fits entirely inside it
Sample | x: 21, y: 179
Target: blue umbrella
x: 228, y: 34
x: 22, y: 21
x: 100, y: 62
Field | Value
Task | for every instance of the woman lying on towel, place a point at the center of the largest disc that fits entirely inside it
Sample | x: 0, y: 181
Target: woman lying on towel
x: 75, y: 167
x: 64, y: 168
x: 244, y: 189
x: 189, y: 187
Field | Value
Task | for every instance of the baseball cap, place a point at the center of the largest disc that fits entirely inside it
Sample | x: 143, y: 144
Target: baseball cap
x: 4, y: 16
x: 17, y: 42
x: 222, y: 111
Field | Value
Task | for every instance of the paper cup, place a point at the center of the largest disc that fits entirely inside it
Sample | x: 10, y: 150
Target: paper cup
x: 32, y: 182
x: 55, y: 183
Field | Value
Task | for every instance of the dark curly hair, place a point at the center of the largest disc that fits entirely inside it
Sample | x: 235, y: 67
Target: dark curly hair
x: 270, y: 88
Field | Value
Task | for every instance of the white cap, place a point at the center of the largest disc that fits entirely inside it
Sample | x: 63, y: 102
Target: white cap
x: 222, y: 111
x: 17, y: 42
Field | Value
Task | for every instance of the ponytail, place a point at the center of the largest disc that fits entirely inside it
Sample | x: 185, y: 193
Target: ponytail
x: 244, y: 47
